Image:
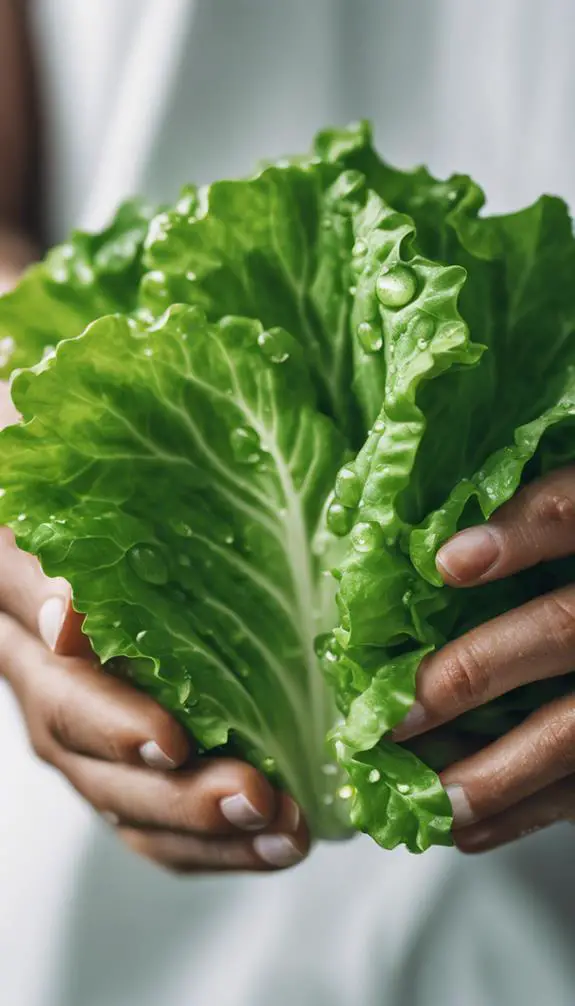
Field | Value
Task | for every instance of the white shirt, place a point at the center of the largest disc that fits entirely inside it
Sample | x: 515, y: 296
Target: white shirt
x: 144, y: 95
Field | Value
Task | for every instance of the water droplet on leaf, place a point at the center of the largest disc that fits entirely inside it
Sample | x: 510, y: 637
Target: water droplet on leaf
x: 348, y: 486
x: 141, y: 635
x: 370, y: 337
x: 396, y: 286
x: 359, y: 249
x: 339, y: 519
x: 245, y: 445
x: 407, y: 597
x: 367, y: 536
x: 275, y: 345
x: 329, y: 768
x: 269, y: 764
x: 345, y: 792
x: 403, y: 787
x: 374, y: 775
x: 149, y: 564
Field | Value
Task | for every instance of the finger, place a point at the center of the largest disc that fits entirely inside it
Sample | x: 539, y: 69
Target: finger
x: 533, y: 642
x: 70, y: 640
x: 536, y: 754
x: 9, y: 414
x: 70, y: 704
x: 538, y: 524
x: 553, y: 804
x: 39, y: 602
x: 190, y: 854
x: 216, y: 797
x: 284, y: 844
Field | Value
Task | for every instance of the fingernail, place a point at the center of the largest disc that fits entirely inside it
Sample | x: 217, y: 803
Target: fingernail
x: 152, y: 754
x: 51, y: 619
x: 277, y: 850
x: 110, y: 818
x: 240, y: 812
x: 411, y: 724
x: 469, y: 555
x: 293, y: 814
x: 460, y: 805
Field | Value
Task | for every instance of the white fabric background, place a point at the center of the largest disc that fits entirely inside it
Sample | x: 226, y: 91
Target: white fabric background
x: 484, y: 86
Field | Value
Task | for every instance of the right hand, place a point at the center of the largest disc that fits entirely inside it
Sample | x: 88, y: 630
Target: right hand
x: 120, y: 750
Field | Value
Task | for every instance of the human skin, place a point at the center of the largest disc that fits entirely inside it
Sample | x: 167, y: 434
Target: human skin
x: 123, y: 753
x: 135, y: 764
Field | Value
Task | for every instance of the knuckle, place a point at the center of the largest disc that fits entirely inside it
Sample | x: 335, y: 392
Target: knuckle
x: 60, y: 720
x: 557, y: 741
x: 559, y: 610
x: 465, y: 677
x: 43, y: 746
x: 9, y: 631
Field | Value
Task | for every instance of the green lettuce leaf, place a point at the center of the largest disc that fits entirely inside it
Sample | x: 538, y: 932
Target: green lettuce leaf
x: 332, y: 365
x: 180, y: 473
x: 78, y: 281
x: 475, y: 429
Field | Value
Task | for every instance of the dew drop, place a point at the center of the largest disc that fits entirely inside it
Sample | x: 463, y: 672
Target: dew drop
x: 116, y: 624
x: 359, y: 249
x: 407, y: 597
x: 2, y: 493
x: 149, y: 564
x: 348, y: 487
x: 228, y: 539
x: 244, y: 671
x: 353, y: 290
x: 421, y: 329
x: 184, y: 530
x: 367, y: 536
x: 329, y: 768
x: 330, y: 656
x: 327, y: 223
x: 141, y: 635
x: 339, y: 519
x: 403, y: 787
x: 21, y: 517
x: 374, y: 775
x: 370, y: 337
x: 345, y: 792
x: 269, y: 764
x: 245, y: 445
x: 327, y: 799
x: 148, y: 351
x: 275, y: 345
x: 379, y: 426
x: 186, y: 692
x: 396, y: 286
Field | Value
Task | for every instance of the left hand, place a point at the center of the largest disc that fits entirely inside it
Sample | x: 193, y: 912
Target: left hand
x: 525, y: 780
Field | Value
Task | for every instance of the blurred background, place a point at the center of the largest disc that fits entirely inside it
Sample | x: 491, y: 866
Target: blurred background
x: 143, y: 96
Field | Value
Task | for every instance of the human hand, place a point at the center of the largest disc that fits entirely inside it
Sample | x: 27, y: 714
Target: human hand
x: 122, y: 752
x: 525, y: 780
